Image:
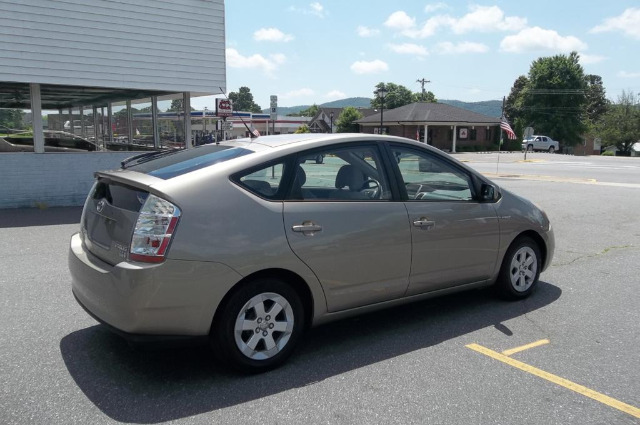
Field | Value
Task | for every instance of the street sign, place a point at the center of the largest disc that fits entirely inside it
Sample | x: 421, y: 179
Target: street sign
x: 224, y: 108
x: 226, y: 125
x: 274, y: 107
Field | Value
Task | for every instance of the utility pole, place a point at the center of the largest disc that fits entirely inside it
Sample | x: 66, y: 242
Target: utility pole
x: 422, y: 82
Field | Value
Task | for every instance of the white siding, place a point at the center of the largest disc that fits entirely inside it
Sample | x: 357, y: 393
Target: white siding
x: 170, y: 45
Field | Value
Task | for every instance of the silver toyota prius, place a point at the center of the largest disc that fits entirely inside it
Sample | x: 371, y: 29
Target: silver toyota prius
x: 247, y: 243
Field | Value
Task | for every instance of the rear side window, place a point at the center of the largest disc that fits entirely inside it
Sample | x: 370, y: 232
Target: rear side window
x: 177, y: 163
x: 264, y: 182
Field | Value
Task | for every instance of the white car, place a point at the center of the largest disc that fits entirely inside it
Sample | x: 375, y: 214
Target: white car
x: 540, y: 143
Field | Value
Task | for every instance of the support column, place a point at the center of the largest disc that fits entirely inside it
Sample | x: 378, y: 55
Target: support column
x: 36, y: 112
x: 154, y: 121
x: 129, y: 123
x: 455, y: 138
x: 110, y: 122
x: 71, y: 127
x: 186, y: 105
x: 95, y: 125
x: 83, y: 129
x: 426, y: 134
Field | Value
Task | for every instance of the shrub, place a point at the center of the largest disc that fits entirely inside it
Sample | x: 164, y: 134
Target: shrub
x: 608, y: 153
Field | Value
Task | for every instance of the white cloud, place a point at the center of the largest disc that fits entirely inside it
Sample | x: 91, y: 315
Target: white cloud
x: 487, y: 19
x: 315, y: 8
x: 367, y: 32
x: 625, y: 74
x: 448, y: 48
x: 479, y: 19
x: 538, y: 39
x: 236, y: 60
x: 271, y: 34
x: 278, y: 58
x: 589, y: 59
x: 335, y: 94
x: 628, y: 23
x: 400, y: 21
x: 369, y: 67
x: 435, y: 6
x: 409, y: 49
x: 298, y: 93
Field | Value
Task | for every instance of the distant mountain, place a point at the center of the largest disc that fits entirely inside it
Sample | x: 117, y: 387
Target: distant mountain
x: 492, y: 108
x: 357, y: 102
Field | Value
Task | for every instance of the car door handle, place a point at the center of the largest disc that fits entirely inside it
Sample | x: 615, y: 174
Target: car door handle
x: 424, y: 223
x: 308, y: 228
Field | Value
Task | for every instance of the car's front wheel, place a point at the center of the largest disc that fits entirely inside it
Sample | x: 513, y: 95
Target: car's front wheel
x: 520, y: 269
x: 259, y: 325
x: 530, y: 148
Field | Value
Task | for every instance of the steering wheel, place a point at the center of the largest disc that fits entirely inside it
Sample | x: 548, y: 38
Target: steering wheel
x: 372, y: 184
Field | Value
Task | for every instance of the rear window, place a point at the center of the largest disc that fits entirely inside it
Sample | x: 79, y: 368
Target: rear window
x: 185, y: 161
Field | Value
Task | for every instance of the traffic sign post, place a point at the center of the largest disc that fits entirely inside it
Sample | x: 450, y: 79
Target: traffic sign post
x: 274, y: 112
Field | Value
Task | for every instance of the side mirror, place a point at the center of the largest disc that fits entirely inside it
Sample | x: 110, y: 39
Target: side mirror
x: 487, y: 193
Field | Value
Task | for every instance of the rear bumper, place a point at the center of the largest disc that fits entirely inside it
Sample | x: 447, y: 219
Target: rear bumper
x: 172, y: 299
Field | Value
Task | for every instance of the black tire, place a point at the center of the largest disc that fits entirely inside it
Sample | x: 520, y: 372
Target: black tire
x: 227, y: 344
x: 516, y: 280
x: 552, y: 149
x: 530, y: 148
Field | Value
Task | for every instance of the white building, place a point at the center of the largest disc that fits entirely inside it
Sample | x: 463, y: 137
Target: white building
x: 95, y: 63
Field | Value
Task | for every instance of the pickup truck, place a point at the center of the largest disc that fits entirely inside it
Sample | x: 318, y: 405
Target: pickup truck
x: 540, y: 143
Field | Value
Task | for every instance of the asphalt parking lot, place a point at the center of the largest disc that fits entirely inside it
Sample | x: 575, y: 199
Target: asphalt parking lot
x: 569, y: 354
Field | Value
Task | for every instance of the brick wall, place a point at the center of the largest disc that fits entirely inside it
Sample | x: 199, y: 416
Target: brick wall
x: 51, y: 179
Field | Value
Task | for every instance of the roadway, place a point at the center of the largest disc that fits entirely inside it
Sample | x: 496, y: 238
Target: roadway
x: 415, y: 364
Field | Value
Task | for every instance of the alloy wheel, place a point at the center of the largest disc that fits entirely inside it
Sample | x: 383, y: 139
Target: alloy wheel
x: 263, y: 326
x: 524, y: 268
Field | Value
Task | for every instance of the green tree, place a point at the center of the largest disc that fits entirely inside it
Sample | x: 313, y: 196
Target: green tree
x: 243, y: 100
x: 553, y: 101
x: 396, y: 96
x: 176, y: 105
x: 596, y: 102
x: 11, y: 118
x: 311, y: 111
x: 429, y: 97
x: 620, y: 126
x: 303, y: 129
x: 513, y: 103
x: 345, y: 123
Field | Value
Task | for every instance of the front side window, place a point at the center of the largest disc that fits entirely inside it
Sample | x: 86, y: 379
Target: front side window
x: 340, y: 174
x: 427, y: 178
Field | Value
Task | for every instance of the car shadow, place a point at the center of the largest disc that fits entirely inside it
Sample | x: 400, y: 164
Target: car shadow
x: 143, y: 386
x: 28, y: 217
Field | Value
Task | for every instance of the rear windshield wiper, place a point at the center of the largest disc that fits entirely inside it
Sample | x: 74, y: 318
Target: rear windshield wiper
x: 144, y: 157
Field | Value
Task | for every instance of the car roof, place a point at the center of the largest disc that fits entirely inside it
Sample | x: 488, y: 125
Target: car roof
x: 302, y: 139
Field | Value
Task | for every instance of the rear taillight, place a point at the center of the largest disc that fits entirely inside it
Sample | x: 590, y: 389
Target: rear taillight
x: 156, y: 223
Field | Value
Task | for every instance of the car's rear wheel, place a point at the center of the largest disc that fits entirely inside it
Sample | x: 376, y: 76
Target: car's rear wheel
x: 552, y: 149
x: 259, y: 325
x: 520, y: 269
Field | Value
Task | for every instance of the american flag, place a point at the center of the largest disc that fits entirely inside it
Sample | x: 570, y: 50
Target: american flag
x: 504, y: 124
x: 255, y: 132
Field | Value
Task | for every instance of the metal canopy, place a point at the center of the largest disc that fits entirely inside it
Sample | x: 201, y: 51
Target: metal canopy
x: 17, y: 95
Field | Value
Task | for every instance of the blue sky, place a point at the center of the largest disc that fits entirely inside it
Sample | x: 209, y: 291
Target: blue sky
x: 314, y: 52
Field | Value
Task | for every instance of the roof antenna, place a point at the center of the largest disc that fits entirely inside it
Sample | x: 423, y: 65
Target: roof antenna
x: 252, y: 135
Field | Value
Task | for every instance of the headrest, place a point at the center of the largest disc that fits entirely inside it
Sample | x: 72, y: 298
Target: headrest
x: 350, y: 176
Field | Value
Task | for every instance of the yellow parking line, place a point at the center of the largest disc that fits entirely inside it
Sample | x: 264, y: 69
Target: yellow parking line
x: 612, y: 402
x: 525, y: 347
